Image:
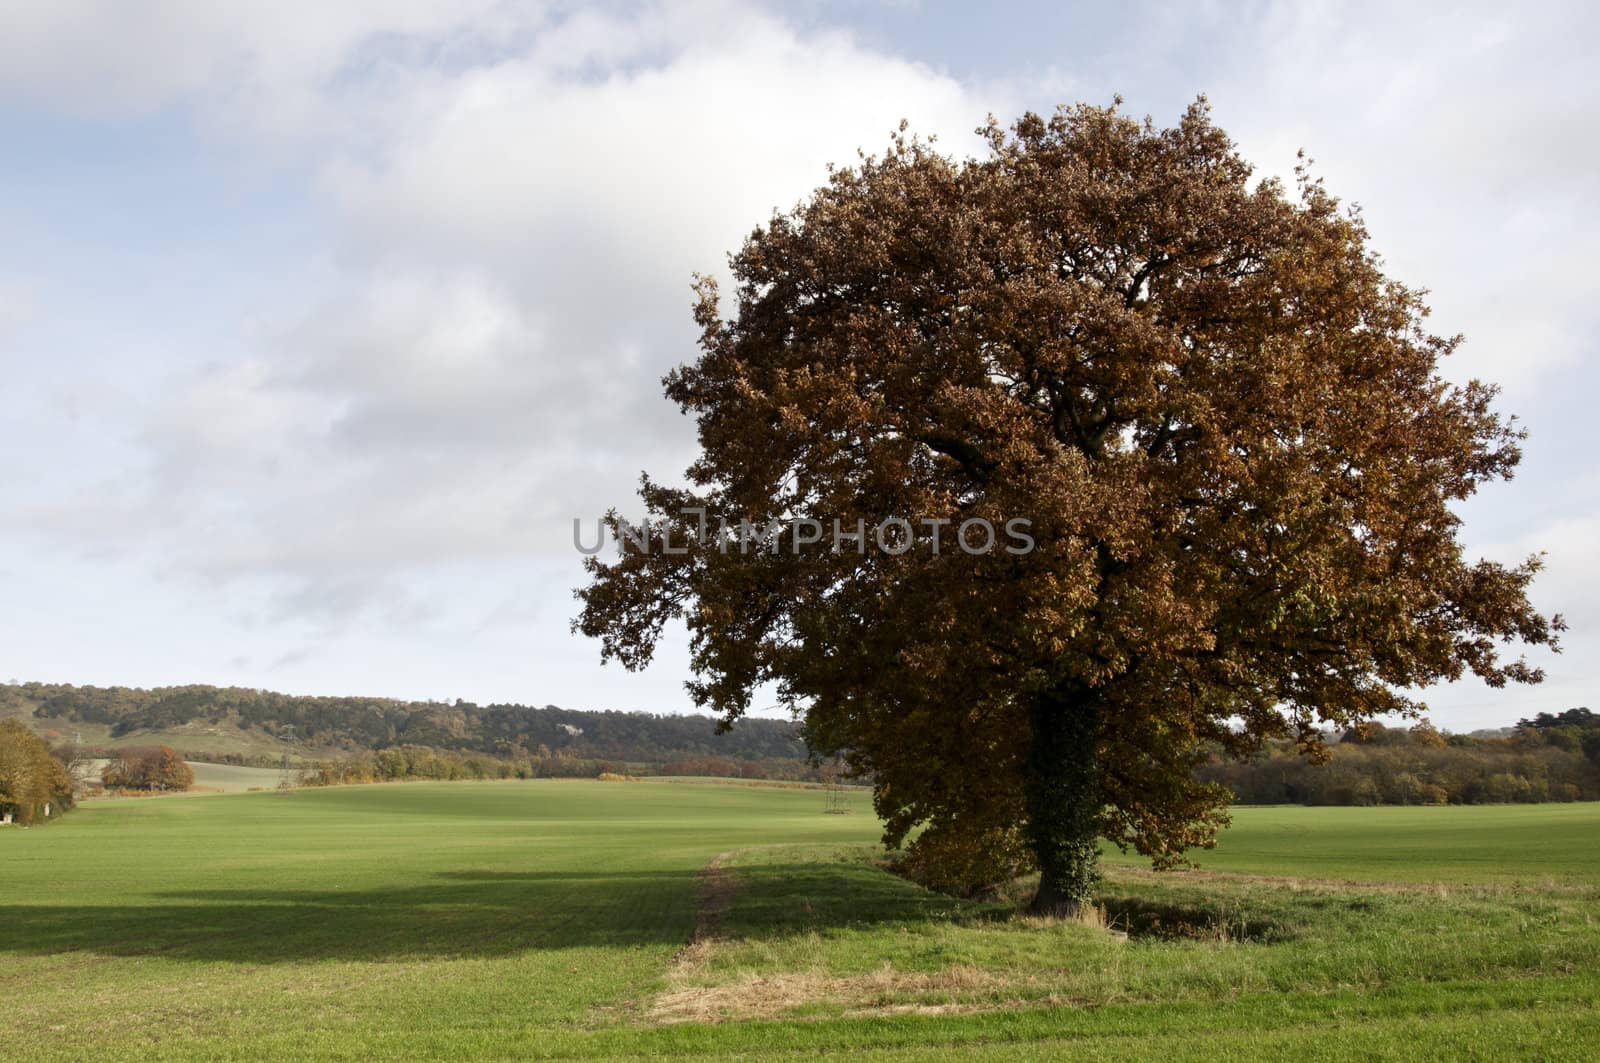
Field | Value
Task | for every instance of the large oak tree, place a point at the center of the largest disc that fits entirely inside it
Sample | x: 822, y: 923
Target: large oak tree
x: 1227, y: 428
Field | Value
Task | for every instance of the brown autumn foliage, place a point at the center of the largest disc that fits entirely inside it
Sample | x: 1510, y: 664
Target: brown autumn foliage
x: 1227, y: 427
x: 147, y: 768
x: 31, y: 779
x: 1549, y: 758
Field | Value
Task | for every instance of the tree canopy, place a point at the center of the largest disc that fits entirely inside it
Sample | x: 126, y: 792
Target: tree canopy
x: 31, y: 780
x: 1224, y: 424
x: 147, y: 768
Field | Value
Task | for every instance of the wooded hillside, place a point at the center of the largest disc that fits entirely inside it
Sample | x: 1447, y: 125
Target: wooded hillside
x: 332, y: 724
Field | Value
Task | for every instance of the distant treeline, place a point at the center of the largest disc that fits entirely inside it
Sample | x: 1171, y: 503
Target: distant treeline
x: 507, y: 732
x: 1547, y: 758
x: 420, y: 762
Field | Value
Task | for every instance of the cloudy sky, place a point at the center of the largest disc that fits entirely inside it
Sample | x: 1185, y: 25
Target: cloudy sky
x: 317, y: 330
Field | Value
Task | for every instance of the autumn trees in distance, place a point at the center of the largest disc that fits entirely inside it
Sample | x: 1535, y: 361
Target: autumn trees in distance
x: 1227, y: 429
x: 147, y: 768
x: 31, y: 780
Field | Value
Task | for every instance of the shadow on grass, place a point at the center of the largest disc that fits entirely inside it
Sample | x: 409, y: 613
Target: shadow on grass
x: 442, y: 917
x: 1167, y: 921
x: 777, y: 899
x: 488, y: 913
x: 465, y: 913
x: 821, y: 897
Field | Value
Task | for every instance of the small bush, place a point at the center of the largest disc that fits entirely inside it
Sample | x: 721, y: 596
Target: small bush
x: 967, y: 859
x: 154, y: 768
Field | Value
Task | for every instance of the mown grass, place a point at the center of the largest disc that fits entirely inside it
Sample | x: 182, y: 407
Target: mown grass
x: 234, y: 778
x: 1455, y: 843
x: 549, y: 919
x: 800, y: 941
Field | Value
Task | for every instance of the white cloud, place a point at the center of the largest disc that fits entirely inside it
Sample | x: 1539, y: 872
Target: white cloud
x: 16, y: 307
x: 111, y: 58
x: 649, y: 169
x: 516, y: 237
x: 1570, y: 581
x: 1459, y: 132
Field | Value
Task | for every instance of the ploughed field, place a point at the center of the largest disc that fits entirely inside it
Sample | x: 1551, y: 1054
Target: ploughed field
x: 559, y: 919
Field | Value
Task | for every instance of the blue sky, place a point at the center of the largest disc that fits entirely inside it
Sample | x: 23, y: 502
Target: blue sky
x: 319, y: 330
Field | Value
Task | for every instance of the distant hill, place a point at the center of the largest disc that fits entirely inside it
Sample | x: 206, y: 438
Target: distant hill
x: 253, y: 723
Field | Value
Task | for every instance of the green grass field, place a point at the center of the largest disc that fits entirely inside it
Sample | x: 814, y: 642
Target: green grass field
x: 554, y: 919
x: 233, y: 779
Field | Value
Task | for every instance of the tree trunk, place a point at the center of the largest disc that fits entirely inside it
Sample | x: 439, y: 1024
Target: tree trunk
x: 1063, y: 799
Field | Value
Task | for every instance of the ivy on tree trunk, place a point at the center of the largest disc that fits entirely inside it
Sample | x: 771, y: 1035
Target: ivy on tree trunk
x: 1062, y: 790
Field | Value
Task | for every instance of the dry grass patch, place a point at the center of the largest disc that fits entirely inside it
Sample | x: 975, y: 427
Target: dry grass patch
x: 1302, y: 884
x: 751, y: 994
x: 714, y: 894
x: 883, y: 991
